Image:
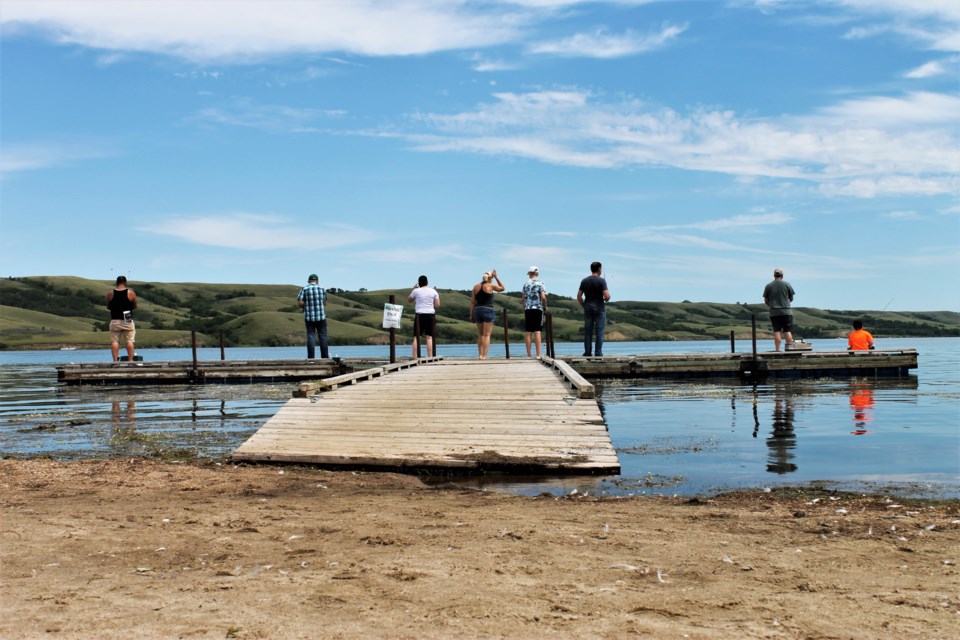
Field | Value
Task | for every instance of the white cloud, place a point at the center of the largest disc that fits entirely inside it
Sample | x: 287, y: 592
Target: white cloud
x: 601, y: 44
x: 918, y: 108
x: 246, y: 30
x: 862, y: 147
x: 927, y: 70
x: 254, y: 232
x: 488, y: 66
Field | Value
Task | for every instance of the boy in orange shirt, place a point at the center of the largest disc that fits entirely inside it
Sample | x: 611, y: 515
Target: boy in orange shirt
x: 859, y: 339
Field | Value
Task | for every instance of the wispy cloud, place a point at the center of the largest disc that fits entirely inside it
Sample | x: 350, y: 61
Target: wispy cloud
x: 746, y: 222
x: 272, y: 118
x: 251, y: 232
x: 901, y: 215
x: 860, y: 147
x: 705, y: 234
x: 931, y: 69
x: 19, y: 157
x: 602, y: 44
x: 932, y: 23
x: 421, y: 255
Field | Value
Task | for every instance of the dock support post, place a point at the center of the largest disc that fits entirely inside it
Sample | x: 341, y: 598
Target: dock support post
x: 416, y: 333
x: 393, y: 336
x: 753, y: 370
x: 733, y: 342
x: 506, y: 334
x: 223, y: 351
x: 193, y: 347
x: 550, y: 348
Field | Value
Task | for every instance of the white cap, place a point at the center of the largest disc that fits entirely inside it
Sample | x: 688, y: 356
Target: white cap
x: 533, y: 269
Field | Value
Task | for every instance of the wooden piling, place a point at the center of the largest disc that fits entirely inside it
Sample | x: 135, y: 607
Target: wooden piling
x: 506, y: 334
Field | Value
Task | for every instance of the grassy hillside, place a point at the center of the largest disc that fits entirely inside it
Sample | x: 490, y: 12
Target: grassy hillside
x: 53, y: 311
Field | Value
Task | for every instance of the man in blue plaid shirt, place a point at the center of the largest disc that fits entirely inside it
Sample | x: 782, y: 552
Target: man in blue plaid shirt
x: 311, y: 300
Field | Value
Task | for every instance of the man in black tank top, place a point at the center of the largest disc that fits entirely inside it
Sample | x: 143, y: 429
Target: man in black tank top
x: 122, y: 301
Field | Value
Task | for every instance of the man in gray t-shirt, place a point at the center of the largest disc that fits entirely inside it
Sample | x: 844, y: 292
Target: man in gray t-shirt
x: 778, y: 294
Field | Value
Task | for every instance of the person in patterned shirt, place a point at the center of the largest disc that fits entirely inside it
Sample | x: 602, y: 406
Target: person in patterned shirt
x: 311, y: 299
x: 534, y: 306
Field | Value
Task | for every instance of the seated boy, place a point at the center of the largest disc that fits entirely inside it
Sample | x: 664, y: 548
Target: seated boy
x: 859, y: 339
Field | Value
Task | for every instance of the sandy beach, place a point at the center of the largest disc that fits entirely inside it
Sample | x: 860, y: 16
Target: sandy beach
x: 147, y: 549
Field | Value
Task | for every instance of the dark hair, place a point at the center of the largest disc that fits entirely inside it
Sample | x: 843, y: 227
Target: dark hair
x: 422, y: 281
x: 121, y: 279
x: 857, y: 324
x: 595, y: 266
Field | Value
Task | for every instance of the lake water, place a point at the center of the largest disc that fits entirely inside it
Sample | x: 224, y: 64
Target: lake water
x: 673, y: 437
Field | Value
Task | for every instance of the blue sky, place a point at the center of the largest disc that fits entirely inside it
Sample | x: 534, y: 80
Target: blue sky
x: 689, y: 146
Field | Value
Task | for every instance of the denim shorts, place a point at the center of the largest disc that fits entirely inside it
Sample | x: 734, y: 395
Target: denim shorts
x: 484, y: 314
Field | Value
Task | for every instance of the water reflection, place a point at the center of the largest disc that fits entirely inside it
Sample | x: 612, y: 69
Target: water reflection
x: 40, y: 417
x: 783, y: 440
x: 125, y: 418
x: 861, y: 401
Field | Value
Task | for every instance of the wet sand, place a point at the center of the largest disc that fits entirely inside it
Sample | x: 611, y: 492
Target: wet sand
x: 148, y: 549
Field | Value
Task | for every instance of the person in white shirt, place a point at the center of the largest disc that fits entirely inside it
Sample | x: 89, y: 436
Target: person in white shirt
x: 426, y: 302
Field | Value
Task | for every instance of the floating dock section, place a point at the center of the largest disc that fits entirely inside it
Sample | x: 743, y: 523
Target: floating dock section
x: 747, y: 366
x: 188, y: 372
x: 458, y: 415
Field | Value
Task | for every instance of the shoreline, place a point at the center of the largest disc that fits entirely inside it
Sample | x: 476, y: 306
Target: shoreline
x: 134, y: 547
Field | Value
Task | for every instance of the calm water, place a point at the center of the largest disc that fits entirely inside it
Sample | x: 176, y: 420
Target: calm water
x: 684, y: 438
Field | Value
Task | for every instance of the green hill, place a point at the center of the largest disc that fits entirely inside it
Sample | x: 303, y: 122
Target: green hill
x: 53, y: 311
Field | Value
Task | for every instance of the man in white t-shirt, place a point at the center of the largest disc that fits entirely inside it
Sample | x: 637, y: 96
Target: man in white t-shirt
x: 427, y: 301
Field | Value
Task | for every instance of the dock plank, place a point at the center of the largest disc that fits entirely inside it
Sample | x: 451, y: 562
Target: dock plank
x: 467, y: 414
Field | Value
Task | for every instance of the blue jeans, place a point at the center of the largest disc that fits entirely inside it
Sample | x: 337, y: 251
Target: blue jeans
x: 594, y: 320
x: 315, y: 327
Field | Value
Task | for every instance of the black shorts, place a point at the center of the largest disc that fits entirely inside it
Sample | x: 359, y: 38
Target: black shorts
x: 782, y: 323
x: 428, y: 323
x: 532, y: 320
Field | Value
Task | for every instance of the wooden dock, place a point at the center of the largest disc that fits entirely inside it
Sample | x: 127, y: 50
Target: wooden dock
x: 790, y: 364
x: 465, y: 415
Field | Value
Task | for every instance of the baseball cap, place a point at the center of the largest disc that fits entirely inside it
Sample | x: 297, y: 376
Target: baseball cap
x: 533, y: 269
x: 313, y: 276
x: 777, y: 271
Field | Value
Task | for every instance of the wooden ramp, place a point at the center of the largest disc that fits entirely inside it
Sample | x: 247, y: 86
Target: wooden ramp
x: 453, y: 414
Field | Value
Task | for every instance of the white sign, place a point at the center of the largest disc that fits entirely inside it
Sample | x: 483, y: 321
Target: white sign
x: 391, y: 316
